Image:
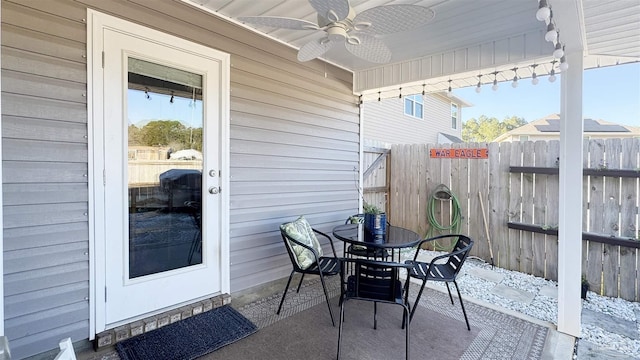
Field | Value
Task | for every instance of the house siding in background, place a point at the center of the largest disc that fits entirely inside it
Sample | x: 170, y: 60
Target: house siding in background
x: 294, y: 142
x: 385, y: 121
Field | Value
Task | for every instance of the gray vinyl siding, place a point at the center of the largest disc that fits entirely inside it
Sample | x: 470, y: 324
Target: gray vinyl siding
x: 385, y: 121
x: 294, y: 146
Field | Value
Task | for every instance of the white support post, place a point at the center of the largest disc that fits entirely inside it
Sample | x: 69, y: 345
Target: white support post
x: 570, y: 205
x: 1, y: 216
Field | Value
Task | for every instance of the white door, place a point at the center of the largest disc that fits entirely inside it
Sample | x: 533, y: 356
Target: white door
x: 162, y: 142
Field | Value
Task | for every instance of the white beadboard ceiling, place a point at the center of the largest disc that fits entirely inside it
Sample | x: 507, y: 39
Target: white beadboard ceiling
x: 465, y: 38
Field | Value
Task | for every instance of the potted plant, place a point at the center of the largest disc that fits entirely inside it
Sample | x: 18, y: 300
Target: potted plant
x: 375, y: 220
x: 584, y: 287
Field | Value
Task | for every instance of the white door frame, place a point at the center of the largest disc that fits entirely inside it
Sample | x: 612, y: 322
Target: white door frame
x: 96, y: 23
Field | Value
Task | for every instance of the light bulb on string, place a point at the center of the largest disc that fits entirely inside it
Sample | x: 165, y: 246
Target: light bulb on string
x: 563, y: 64
x: 543, y: 12
x: 449, y: 94
x: 534, y: 76
x: 400, y: 96
x: 558, y: 51
x: 514, y: 84
x: 423, y: 92
x: 378, y: 95
x: 495, y: 81
x: 479, y: 86
x: 552, y: 34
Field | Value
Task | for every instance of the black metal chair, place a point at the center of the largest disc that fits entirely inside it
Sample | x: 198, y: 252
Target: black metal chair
x: 375, y: 281
x: 361, y: 250
x: 317, y: 264
x: 444, y: 268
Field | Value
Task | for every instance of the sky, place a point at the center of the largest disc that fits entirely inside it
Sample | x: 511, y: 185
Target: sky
x: 610, y: 93
x: 158, y: 106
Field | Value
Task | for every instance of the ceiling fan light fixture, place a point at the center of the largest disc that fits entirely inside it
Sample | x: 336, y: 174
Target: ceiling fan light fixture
x: 337, y: 33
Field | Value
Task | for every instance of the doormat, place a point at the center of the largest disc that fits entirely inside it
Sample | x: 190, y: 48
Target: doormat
x: 190, y: 338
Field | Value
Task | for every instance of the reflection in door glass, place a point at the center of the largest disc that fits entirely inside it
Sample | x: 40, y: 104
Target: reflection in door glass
x: 165, y: 121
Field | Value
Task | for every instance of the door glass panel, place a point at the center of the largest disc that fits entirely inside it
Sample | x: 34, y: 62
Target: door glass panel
x: 165, y: 124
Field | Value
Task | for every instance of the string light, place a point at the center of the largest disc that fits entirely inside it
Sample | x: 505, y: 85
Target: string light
x: 563, y: 64
x: 448, y: 88
x: 552, y: 74
x: 146, y: 93
x: 360, y: 99
x: 544, y: 12
x: 171, y: 100
x: 552, y: 34
x: 558, y: 51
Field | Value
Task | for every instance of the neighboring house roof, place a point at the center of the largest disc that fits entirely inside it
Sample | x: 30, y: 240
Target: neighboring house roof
x: 551, y: 124
x: 448, y: 139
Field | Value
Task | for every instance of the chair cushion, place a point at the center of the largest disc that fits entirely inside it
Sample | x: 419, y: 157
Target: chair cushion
x: 300, y: 230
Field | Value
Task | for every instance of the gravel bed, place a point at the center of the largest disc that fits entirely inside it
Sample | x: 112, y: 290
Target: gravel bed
x: 545, y: 307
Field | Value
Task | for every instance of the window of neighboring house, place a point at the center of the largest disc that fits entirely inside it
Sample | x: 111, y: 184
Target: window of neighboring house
x: 524, y: 137
x: 454, y: 116
x: 414, y: 105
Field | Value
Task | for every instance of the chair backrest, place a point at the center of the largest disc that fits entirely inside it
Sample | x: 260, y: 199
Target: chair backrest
x: 373, y: 280
x: 459, y: 253
x: 355, y: 219
x: 301, y: 243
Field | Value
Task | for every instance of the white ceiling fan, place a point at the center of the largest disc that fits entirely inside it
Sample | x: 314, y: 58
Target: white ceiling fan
x: 340, y: 24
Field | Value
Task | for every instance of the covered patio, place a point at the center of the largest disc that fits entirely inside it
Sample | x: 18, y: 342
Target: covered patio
x: 477, y: 44
x: 288, y: 129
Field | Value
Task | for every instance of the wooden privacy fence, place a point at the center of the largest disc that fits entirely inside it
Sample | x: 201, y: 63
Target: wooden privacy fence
x: 517, y: 185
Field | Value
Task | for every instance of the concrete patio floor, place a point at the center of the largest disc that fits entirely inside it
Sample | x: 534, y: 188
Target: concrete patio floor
x: 557, y: 346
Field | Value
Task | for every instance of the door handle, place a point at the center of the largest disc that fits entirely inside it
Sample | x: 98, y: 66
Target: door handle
x: 214, y: 190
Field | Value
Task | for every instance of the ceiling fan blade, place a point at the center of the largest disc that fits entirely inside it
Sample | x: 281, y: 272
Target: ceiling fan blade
x: 314, y: 49
x: 333, y: 10
x: 369, y: 48
x: 388, y: 19
x: 279, y: 22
